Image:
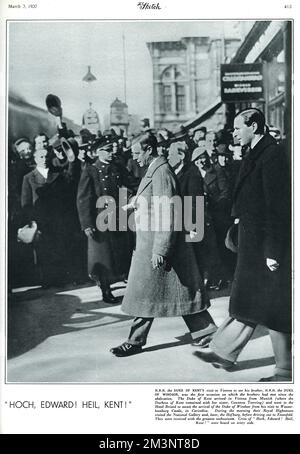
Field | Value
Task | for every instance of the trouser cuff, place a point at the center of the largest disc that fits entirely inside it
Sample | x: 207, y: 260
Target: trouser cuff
x: 204, y: 332
x: 139, y: 343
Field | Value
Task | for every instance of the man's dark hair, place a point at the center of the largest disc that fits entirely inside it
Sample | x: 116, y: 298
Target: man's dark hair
x: 41, y: 134
x: 253, y: 115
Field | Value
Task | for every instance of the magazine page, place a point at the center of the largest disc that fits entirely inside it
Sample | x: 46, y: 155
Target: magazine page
x: 148, y: 211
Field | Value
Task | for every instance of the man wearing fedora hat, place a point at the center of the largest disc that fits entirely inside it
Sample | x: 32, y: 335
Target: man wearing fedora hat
x: 261, y: 290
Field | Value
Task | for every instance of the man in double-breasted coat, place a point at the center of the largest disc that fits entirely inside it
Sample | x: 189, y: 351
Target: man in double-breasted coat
x: 109, y: 251
x: 164, y: 278
x: 261, y: 290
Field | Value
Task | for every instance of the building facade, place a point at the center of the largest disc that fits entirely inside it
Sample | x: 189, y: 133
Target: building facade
x: 186, y: 77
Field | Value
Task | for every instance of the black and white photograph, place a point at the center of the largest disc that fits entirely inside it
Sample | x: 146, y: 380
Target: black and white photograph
x: 149, y: 221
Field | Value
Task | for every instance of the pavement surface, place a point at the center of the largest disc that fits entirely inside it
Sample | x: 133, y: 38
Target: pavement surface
x: 64, y: 336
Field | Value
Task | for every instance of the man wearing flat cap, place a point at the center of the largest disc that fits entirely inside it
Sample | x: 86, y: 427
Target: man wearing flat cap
x: 109, y: 251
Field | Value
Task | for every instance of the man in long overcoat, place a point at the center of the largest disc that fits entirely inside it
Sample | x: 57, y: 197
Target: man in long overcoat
x: 164, y: 278
x: 217, y: 206
x: 21, y: 256
x: 261, y: 290
x: 109, y: 251
x: 46, y: 199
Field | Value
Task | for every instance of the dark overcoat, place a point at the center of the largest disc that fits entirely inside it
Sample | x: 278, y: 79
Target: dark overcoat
x: 262, y: 203
x: 207, y: 253
x: 48, y: 202
x: 191, y: 185
x: 109, y: 252
x: 176, y: 289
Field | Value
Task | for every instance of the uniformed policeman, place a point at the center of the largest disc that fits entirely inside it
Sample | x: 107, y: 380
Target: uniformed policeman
x: 109, y: 251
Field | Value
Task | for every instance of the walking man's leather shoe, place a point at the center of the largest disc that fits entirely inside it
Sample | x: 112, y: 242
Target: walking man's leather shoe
x: 108, y: 297
x: 207, y: 355
x: 202, y: 341
x: 126, y: 349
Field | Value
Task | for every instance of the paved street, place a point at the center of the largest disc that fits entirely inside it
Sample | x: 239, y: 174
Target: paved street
x: 65, y: 336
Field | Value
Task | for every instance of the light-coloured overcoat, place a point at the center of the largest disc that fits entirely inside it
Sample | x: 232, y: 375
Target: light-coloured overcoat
x: 176, y: 289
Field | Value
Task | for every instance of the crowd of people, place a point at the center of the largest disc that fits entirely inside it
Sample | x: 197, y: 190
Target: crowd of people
x: 58, y: 188
x: 54, y: 193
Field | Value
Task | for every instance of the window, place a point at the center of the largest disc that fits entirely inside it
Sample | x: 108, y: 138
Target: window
x: 180, y: 98
x: 167, y: 98
x: 173, y: 90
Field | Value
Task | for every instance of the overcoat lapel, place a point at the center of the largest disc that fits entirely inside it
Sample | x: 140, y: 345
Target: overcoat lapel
x: 52, y: 177
x: 148, y: 177
x: 38, y: 177
x: 249, y: 162
x: 210, y: 176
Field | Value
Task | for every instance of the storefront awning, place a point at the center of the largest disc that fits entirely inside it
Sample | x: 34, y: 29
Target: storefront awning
x: 204, y: 115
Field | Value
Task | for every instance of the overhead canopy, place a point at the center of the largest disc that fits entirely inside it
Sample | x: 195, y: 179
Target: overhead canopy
x: 252, y: 37
x: 204, y: 115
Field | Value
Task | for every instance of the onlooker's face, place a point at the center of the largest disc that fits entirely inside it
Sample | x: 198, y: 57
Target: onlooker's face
x: 143, y: 155
x: 175, y: 156
x: 210, y: 136
x: 243, y: 133
x: 198, y: 135
x: 104, y: 155
x: 41, y: 158
x: 202, y: 145
x: 81, y: 154
x: 135, y: 152
x: 24, y: 150
x: 41, y: 142
x: 210, y: 142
